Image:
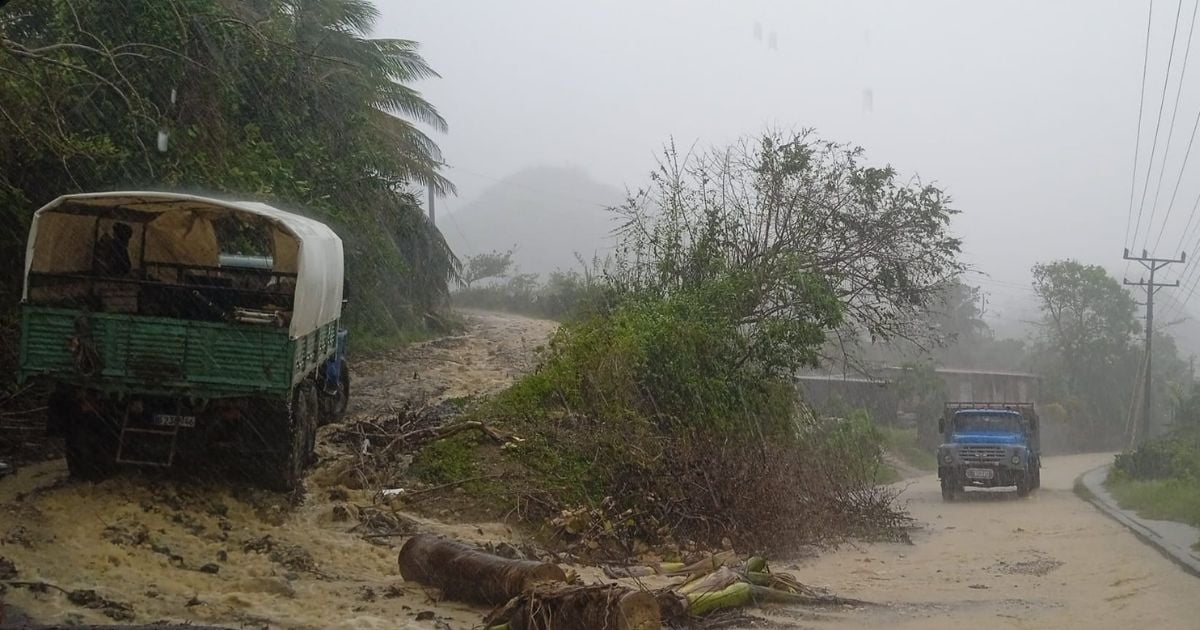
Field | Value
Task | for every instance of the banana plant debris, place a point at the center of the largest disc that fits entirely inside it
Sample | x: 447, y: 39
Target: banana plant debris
x: 542, y: 596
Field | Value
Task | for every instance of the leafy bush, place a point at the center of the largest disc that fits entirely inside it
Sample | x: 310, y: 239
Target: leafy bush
x: 686, y: 362
x: 667, y: 413
x: 1176, y: 456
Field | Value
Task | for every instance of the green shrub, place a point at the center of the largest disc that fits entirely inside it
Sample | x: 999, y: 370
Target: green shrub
x: 664, y: 411
x: 1176, y: 456
x: 448, y: 460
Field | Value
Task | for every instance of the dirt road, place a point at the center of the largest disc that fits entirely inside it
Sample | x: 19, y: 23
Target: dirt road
x: 996, y: 561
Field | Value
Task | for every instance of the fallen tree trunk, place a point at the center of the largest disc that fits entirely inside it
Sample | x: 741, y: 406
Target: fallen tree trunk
x: 466, y: 574
x: 607, y: 606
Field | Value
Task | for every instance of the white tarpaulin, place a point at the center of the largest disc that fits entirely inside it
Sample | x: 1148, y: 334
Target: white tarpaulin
x: 180, y: 229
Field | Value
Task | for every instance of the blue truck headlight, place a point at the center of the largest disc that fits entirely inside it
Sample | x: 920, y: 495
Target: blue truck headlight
x: 947, y: 458
x: 1016, y: 460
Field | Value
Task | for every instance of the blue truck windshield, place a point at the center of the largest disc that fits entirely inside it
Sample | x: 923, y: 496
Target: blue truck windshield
x: 992, y: 422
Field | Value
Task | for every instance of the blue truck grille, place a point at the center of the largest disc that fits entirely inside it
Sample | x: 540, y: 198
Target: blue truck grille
x: 981, y: 454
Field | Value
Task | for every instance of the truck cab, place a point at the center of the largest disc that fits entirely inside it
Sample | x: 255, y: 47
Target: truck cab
x: 185, y: 332
x: 989, y: 445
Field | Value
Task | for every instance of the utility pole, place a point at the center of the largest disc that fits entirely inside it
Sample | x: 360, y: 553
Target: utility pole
x: 1152, y: 287
x: 432, y: 214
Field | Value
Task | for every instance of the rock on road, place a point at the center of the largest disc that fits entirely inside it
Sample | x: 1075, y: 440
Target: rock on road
x: 998, y: 561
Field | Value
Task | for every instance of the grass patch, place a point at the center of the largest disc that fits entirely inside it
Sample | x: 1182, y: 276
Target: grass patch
x: 1163, y: 499
x: 887, y: 475
x: 447, y: 460
x: 903, y: 444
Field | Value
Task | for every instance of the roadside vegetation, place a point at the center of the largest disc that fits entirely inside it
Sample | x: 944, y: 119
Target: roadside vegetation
x: 489, y: 281
x: 903, y: 444
x: 289, y: 102
x: 1085, y: 347
x: 1161, y: 479
x: 665, y: 412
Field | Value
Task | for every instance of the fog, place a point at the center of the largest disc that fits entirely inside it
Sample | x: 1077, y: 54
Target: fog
x: 1025, y: 112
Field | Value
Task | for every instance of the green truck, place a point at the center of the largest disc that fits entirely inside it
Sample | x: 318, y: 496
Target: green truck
x: 184, y: 331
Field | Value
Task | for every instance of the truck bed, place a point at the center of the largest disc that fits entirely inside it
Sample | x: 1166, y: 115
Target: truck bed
x: 148, y: 354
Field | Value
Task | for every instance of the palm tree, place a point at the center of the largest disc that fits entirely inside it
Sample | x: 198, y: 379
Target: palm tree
x: 344, y: 68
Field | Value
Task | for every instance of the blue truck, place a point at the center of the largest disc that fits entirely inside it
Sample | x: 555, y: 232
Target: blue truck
x: 989, y: 445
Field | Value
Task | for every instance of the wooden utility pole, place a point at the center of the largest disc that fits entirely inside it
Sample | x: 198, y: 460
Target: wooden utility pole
x: 1152, y: 287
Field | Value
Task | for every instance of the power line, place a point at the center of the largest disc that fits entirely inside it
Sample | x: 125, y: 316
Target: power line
x: 1190, y: 268
x: 1157, y: 124
x: 1182, y: 304
x: 1137, y: 145
x: 1187, y: 50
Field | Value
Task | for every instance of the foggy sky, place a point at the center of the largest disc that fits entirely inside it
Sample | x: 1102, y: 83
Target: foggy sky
x: 1025, y: 112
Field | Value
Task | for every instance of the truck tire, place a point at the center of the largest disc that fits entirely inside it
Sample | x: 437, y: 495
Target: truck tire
x: 1037, y: 476
x: 91, y: 446
x: 950, y: 489
x: 294, y: 437
x: 1024, y: 484
x: 334, y: 406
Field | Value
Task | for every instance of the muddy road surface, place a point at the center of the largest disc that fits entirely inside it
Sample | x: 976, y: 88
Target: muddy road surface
x: 998, y: 561
x: 152, y: 548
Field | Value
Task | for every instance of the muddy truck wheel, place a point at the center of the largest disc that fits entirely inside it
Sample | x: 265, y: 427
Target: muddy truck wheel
x: 1024, y: 484
x: 91, y: 446
x: 294, y: 436
x: 334, y: 405
x: 950, y: 489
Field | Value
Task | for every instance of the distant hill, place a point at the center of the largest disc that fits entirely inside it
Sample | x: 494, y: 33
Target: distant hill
x: 548, y: 214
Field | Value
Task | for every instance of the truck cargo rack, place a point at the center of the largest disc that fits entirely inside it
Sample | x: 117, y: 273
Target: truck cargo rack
x: 995, y: 406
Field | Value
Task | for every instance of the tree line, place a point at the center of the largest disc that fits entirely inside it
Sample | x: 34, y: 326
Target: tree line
x: 291, y: 102
x: 1087, y: 348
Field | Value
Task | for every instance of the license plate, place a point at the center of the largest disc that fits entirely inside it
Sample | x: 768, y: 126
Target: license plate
x: 169, y: 420
x: 980, y: 473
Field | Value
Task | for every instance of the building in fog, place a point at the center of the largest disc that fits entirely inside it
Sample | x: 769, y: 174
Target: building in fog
x: 835, y: 394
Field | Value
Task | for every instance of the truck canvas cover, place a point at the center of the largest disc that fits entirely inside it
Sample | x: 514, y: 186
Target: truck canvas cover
x: 180, y: 229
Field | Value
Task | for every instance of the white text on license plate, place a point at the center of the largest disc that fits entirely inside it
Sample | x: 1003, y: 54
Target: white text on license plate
x: 980, y: 473
x: 169, y: 420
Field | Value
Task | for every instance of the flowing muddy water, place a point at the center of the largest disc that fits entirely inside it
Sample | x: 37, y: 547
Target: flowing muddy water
x: 219, y: 553
x: 998, y: 561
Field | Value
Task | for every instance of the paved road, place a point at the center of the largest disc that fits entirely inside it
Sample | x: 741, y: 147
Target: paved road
x: 997, y: 561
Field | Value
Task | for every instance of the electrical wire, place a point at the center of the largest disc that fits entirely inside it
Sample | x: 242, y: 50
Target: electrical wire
x: 1157, y: 125
x: 1187, y: 50
x: 1137, y: 145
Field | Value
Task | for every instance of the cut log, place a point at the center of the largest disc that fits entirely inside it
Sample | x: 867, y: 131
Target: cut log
x: 466, y: 574
x: 607, y: 606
